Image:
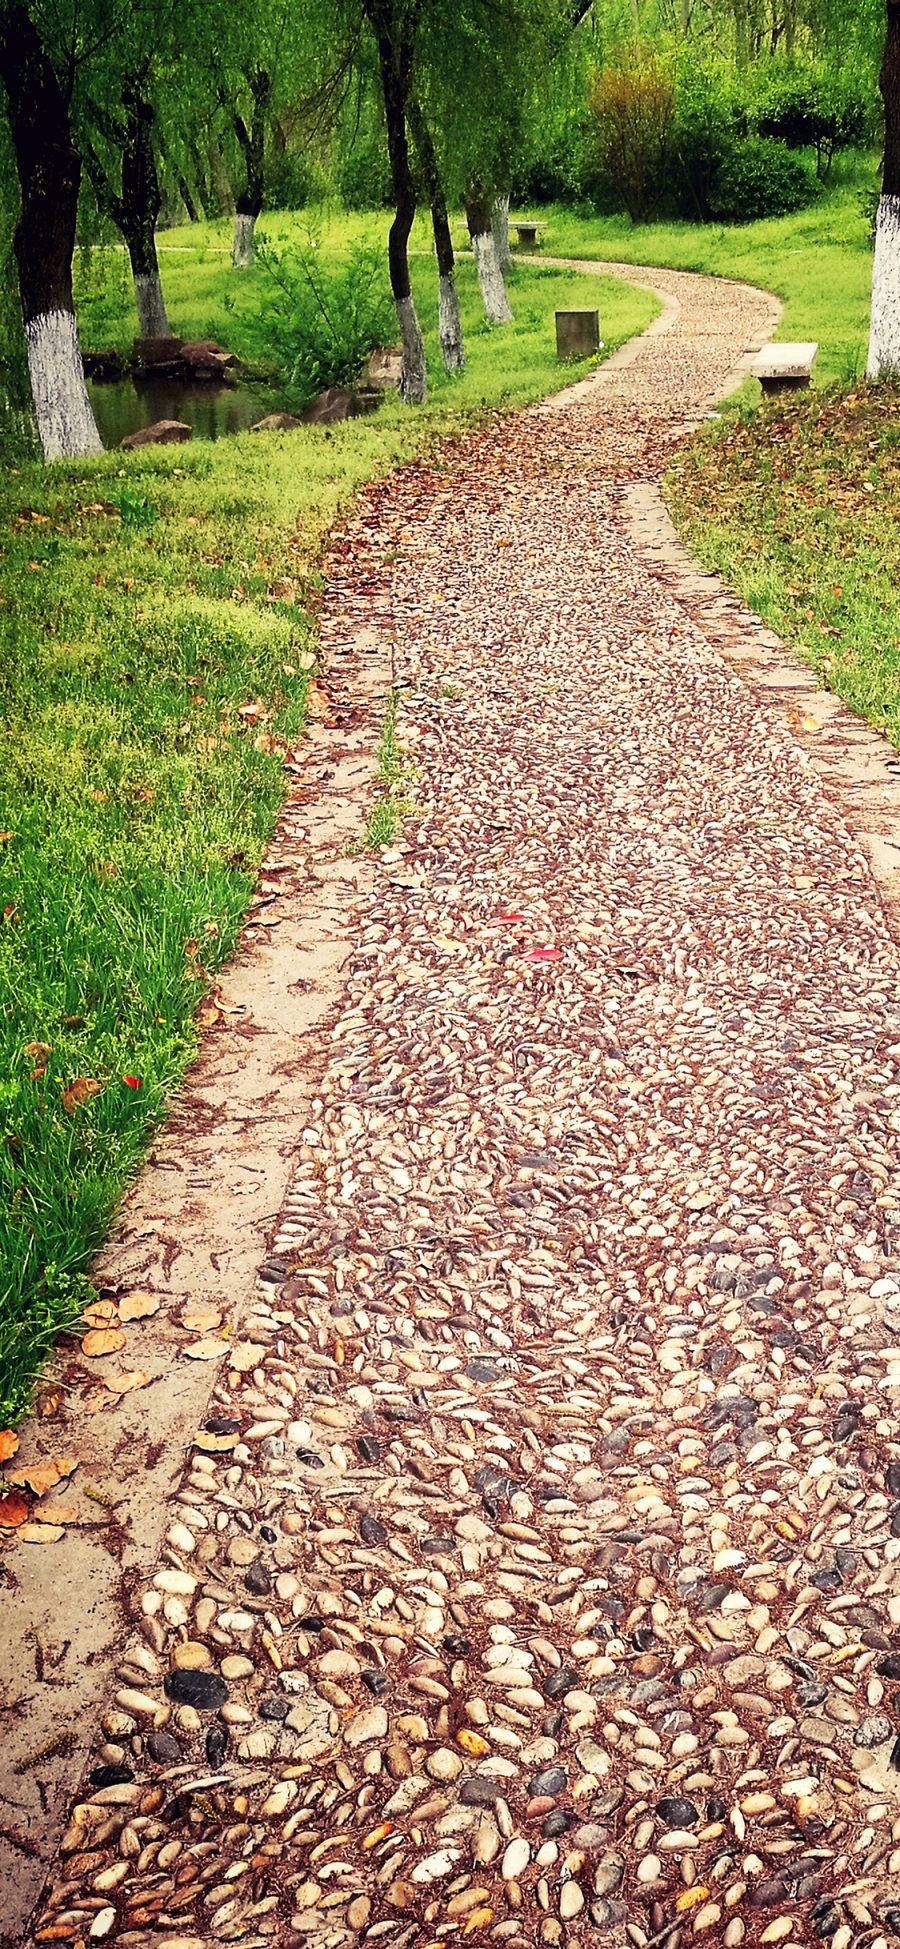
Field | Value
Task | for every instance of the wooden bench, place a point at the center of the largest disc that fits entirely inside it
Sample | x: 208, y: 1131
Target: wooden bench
x: 527, y: 234
x: 782, y: 367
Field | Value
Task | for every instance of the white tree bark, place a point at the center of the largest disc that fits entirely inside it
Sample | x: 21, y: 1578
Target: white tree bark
x: 151, y: 306
x: 500, y: 229
x: 449, y: 327
x: 412, y: 361
x: 242, y: 241
x: 490, y: 279
x: 65, y: 422
x: 884, y: 331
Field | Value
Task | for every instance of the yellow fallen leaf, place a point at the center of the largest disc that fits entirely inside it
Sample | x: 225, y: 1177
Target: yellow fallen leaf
x: 245, y: 1355
x: 57, y: 1512
x: 138, y: 1306
x: 208, y: 1349
x: 126, y: 1383
x: 9, y: 1442
x: 690, y: 1897
x: 214, y: 1444
x: 40, y: 1533
x: 102, y: 1340
x: 41, y: 1476
x: 13, y: 1511
x: 101, y: 1312
x: 201, y: 1319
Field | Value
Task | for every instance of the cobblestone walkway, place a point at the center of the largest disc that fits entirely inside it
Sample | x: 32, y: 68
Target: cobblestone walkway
x: 535, y: 1575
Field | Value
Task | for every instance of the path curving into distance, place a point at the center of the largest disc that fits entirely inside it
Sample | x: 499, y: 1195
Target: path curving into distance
x: 535, y: 1573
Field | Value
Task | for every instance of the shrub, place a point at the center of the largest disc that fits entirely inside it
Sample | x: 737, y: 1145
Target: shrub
x: 364, y: 175
x: 810, y: 108
x: 632, y: 103
x: 314, y: 326
x: 760, y: 178
x: 709, y: 119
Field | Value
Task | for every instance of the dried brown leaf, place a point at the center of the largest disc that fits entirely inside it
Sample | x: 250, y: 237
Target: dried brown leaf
x: 102, y: 1340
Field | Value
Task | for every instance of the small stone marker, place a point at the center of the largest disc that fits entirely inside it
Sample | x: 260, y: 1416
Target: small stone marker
x: 577, y: 334
x: 782, y: 367
x: 527, y: 234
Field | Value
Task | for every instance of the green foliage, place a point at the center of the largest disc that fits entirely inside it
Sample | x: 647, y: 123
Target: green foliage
x: 16, y: 431
x: 710, y: 116
x: 313, y: 324
x: 632, y: 104
x: 101, y: 284
x: 809, y: 106
x: 760, y: 177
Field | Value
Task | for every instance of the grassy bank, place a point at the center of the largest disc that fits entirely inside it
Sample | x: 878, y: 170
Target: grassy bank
x: 156, y: 625
x: 796, y: 505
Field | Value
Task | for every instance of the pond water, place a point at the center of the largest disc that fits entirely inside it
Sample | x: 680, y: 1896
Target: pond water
x: 121, y: 407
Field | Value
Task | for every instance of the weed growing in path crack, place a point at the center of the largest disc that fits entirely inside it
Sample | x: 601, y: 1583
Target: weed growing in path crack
x: 396, y: 772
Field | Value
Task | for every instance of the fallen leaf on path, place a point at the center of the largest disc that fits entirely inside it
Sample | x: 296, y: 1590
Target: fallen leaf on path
x: 511, y: 917
x: 201, y: 1319
x: 317, y: 701
x: 83, y: 1088
x: 41, y: 1476
x: 138, y: 1306
x: 102, y: 1340
x: 101, y: 1312
x: 40, y: 1533
x: 449, y: 945
x: 246, y: 1354
x: 215, y: 1444
x: 205, y: 1349
x: 127, y: 1382
x: 9, y: 1442
x: 13, y: 1511
x: 252, y: 712
x: 543, y: 954
x: 57, y: 1512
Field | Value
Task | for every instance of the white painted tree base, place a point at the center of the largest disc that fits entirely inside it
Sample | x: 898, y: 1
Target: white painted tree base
x: 449, y: 327
x: 65, y: 422
x: 242, y: 241
x: 151, y: 306
x: 412, y: 361
x: 884, y: 332
x: 490, y: 279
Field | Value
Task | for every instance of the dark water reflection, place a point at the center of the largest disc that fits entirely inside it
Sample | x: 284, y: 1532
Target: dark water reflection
x: 121, y: 407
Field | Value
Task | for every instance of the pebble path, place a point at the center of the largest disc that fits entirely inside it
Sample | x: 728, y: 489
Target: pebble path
x: 535, y: 1577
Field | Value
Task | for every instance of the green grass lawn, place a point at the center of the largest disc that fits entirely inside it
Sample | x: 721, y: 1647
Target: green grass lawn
x: 144, y: 599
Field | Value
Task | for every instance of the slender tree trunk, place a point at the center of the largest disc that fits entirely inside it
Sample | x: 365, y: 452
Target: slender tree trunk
x: 253, y: 144
x: 490, y: 276
x: 49, y: 172
x: 395, y: 64
x: 188, y: 199
x: 139, y: 206
x: 500, y: 230
x: 449, y: 325
x: 884, y: 335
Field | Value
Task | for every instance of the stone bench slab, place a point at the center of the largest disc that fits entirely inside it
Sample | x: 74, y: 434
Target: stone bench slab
x: 785, y: 363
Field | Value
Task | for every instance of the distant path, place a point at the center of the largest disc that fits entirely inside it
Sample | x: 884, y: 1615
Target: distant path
x: 535, y: 1573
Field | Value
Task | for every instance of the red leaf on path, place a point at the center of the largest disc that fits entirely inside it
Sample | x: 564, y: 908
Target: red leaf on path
x: 512, y: 916
x: 543, y: 954
x: 134, y: 1082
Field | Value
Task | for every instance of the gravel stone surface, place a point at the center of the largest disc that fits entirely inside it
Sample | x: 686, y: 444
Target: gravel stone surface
x: 547, y: 1589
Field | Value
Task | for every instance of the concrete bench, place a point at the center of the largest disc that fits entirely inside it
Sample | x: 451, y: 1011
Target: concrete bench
x: 782, y: 367
x: 528, y: 234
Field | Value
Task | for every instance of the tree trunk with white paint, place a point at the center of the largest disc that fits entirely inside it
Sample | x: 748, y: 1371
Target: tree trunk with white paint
x: 449, y: 324
x: 252, y: 140
x: 500, y: 230
x: 138, y: 212
x: 242, y: 240
x: 395, y: 66
x: 884, y: 331
x: 49, y: 172
x: 490, y: 276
